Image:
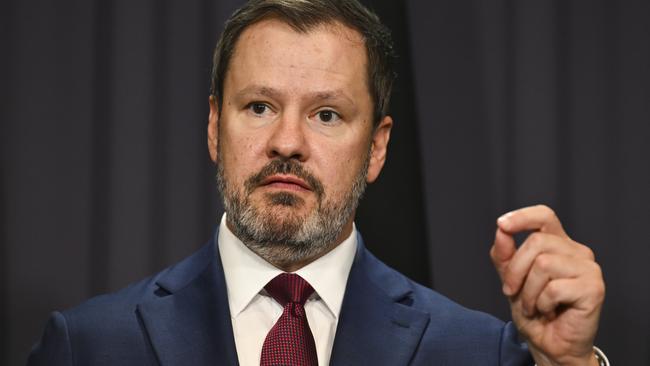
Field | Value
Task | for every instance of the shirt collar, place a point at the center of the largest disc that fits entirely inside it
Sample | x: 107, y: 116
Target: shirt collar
x: 246, y: 273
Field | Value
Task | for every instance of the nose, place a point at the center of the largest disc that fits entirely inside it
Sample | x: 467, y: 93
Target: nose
x: 287, y: 139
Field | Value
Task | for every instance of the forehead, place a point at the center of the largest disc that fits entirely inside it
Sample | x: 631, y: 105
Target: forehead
x: 272, y: 53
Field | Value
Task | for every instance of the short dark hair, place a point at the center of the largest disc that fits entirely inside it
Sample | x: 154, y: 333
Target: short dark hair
x: 304, y: 15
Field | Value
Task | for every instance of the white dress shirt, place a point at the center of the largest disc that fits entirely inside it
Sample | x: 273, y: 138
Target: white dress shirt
x: 253, y: 312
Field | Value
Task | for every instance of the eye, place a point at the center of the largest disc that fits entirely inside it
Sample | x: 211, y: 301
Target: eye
x: 258, y: 108
x: 328, y: 116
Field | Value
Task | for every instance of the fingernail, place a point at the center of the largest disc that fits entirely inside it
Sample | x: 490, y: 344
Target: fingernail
x: 506, y: 289
x: 504, y: 218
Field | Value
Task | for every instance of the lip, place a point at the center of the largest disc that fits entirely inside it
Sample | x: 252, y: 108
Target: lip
x: 285, y: 181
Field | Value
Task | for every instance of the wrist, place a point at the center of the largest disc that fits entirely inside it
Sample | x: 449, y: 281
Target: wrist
x: 596, y: 358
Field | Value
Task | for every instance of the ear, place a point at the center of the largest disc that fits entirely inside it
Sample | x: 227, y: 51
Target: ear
x: 379, y: 148
x: 213, y: 124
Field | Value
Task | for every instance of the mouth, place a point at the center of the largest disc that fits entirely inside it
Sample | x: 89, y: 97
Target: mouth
x: 287, y: 182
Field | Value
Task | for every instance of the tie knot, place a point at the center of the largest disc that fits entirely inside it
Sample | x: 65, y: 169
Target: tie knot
x: 289, y: 287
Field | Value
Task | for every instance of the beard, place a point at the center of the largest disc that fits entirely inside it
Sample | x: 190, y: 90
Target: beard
x: 273, y: 228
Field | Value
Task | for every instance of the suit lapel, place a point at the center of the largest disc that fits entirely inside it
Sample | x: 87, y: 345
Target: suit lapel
x: 191, y: 325
x: 376, y: 327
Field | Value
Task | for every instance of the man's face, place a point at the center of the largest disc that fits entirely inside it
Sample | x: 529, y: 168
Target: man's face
x: 295, y: 141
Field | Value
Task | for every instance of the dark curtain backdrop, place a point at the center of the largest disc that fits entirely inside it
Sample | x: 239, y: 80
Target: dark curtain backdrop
x: 499, y: 104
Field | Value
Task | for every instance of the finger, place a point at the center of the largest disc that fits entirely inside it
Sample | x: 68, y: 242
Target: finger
x: 546, y: 268
x: 538, y: 217
x: 502, y: 251
x: 535, y: 244
x: 582, y: 293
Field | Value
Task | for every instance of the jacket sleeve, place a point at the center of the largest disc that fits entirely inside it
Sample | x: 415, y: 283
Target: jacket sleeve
x: 54, y: 347
x: 512, y: 351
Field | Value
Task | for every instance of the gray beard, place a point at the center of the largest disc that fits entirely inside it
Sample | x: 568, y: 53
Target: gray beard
x: 283, y: 238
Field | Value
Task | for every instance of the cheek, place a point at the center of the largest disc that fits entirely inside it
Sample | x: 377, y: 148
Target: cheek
x: 341, y: 169
x: 240, y: 157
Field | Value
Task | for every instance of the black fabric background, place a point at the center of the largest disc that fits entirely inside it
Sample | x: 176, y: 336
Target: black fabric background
x: 499, y: 104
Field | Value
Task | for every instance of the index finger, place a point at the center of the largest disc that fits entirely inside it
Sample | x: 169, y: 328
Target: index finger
x: 539, y: 217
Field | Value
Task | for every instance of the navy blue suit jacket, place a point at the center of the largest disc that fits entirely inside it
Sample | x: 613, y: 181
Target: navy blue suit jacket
x: 181, y: 317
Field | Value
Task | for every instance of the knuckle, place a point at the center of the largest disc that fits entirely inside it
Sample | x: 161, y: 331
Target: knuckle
x: 549, y: 214
x: 545, y: 209
x: 541, y: 206
x: 542, y: 263
x: 588, y: 253
x: 596, y: 282
x: 599, y: 291
x: 597, y: 294
x: 596, y: 270
x: 553, y: 290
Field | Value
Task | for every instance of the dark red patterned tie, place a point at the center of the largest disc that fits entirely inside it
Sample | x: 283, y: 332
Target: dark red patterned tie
x: 290, y: 342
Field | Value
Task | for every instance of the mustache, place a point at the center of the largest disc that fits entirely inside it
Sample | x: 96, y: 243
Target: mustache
x: 285, y: 167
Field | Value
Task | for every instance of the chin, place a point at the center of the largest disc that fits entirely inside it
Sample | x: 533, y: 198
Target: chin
x: 286, y: 199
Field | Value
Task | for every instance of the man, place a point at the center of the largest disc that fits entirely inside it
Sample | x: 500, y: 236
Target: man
x: 298, y: 126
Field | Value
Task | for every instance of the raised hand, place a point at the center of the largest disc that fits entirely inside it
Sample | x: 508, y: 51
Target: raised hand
x: 554, y: 286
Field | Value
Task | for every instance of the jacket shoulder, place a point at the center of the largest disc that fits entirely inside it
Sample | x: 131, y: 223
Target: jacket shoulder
x: 161, y: 284
x: 109, y: 324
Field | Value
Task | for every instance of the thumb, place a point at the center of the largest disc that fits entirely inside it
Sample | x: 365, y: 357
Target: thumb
x: 502, y: 251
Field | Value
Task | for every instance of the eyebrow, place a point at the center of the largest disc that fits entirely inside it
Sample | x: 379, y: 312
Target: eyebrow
x: 275, y: 93
x: 258, y: 90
